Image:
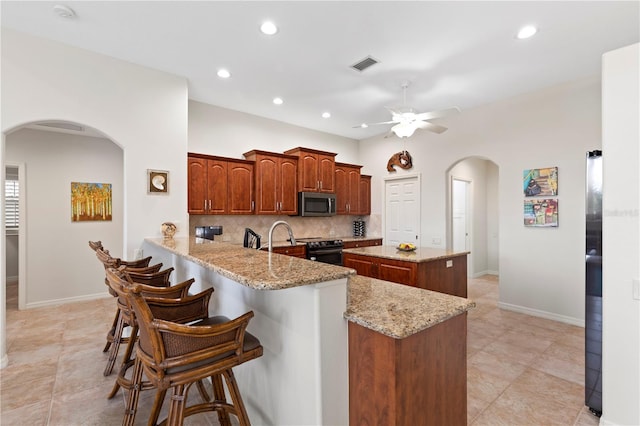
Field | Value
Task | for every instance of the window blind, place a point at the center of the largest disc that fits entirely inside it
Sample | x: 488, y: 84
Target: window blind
x: 11, y: 196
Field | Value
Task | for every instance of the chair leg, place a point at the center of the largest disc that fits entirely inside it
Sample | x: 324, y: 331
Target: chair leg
x: 157, y: 406
x: 219, y: 395
x: 134, y: 394
x: 126, y: 362
x: 176, y: 409
x: 115, y: 346
x: 241, y: 412
x: 112, y: 330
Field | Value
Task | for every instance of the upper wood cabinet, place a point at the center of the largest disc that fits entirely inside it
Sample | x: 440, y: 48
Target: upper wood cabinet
x: 275, y: 182
x: 347, y: 188
x: 218, y: 185
x: 316, y: 169
x: 365, y: 195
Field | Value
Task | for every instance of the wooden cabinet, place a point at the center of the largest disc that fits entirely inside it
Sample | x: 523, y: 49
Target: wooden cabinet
x: 275, y: 182
x: 316, y: 169
x: 418, y: 380
x: 295, y: 251
x: 446, y: 275
x: 347, y: 188
x: 363, y: 243
x: 396, y: 271
x: 364, y: 195
x: 218, y: 185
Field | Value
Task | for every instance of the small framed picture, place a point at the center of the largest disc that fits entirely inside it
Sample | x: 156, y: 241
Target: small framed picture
x: 157, y: 181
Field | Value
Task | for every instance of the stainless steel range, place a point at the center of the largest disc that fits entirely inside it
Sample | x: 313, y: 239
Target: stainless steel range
x: 324, y: 250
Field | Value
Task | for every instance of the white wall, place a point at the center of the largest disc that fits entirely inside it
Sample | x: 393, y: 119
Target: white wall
x: 493, y: 222
x: 218, y: 131
x: 551, y: 127
x: 142, y: 110
x: 56, y: 248
x: 621, y: 236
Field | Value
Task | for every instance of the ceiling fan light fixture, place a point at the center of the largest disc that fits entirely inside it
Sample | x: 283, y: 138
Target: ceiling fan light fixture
x: 404, y: 130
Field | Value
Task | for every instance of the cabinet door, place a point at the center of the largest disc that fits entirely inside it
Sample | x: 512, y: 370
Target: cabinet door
x: 217, y: 193
x: 365, y: 195
x: 240, y: 188
x: 326, y: 173
x: 308, y: 172
x: 295, y: 251
x: 437, y: 276
x: 363, y: 266
x: 354, y: 191
x: 288, y: 189
x: 197, y: 185
x: 397, y: 271
x: 342, y: 190
x: 267, y: 172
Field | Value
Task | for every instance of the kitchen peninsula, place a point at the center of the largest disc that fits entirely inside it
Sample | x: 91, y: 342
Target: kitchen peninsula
x: 301, y: 311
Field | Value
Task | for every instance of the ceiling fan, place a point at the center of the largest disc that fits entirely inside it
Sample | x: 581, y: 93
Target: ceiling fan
x: 406, y: 120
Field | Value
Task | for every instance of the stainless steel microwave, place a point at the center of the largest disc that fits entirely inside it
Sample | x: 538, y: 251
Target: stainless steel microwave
x: 316, y: 204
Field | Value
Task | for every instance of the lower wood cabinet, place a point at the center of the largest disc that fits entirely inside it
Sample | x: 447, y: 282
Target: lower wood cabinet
x: 295, y: 251
x: 448, y: 275
x: 363, y: 243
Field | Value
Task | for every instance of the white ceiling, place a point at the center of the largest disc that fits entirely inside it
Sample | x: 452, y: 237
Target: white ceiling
x: 454, y: 53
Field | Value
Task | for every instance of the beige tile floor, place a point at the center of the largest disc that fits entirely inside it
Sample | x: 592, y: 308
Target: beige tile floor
x: 522, y: 370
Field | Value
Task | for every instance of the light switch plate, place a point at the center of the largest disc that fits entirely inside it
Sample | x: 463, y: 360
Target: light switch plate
x: 449, y: 263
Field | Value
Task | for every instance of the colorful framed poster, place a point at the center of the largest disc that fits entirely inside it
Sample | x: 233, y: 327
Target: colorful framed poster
x: 90, y: 202
x: 540, y: 182
x: 541, y: 212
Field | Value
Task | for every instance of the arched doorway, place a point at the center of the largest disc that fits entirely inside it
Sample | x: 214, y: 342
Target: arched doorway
x: 472, y: 209
x: 53, y: 258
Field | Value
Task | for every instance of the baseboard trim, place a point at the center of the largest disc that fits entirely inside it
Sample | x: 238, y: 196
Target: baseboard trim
x: 542, y: 314
x: 66, y: 300
x: 487, y: 272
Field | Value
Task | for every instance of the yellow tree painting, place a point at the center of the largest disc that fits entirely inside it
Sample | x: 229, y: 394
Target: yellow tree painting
x: 90, y: 201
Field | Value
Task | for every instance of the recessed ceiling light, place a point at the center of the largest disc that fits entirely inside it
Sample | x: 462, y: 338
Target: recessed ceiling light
x: 278, y: 101
x: 64, y: 11
x: 326, y: 115
x: 223, y: 73
x: 526, y: 32
x: 268, y: 28
x: 364, y: 125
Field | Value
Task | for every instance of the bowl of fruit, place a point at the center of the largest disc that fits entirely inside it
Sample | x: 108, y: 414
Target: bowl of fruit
x: 406, y: 247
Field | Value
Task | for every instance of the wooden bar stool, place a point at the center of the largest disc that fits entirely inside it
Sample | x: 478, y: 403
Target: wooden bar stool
x: 175, y: 356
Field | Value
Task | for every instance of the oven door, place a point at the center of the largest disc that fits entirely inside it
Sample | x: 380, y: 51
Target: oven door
x: 332, y: 256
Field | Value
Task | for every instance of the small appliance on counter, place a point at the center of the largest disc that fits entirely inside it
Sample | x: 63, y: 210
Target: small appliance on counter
x: 207, y: 232
x: 359, y: 228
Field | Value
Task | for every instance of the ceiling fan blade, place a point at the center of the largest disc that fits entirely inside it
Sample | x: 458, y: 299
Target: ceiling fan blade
x: 373, y: 124
x: 435, y: 128
x: 437, y: 114
x: 389, y: 134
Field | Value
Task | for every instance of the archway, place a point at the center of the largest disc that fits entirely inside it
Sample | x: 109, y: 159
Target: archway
x: 53, y: 256
x: 481, y: 174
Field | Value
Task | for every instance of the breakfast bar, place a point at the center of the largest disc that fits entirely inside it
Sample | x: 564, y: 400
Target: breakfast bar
x: 320, y: 324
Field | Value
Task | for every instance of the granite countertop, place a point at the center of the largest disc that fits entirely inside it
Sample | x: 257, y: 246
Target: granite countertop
x: 420, y: 254
x: 349, y: 239
x: 256, y: 269
x: 397, y: 310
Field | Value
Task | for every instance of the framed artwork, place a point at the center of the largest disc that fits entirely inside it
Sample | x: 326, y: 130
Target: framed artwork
x: 540, y: 182
x: 542, y: 212
x: 157, y: 182
x: 90, y: 202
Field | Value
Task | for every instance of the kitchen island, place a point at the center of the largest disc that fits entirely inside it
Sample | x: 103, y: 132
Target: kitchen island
x: 302, y: 309
x: 427, y: 268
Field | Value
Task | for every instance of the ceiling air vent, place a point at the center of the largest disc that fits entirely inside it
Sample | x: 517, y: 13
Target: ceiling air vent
x: 364, y: 64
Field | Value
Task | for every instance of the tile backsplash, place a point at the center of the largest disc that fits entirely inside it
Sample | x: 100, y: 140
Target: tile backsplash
x: 303, y: 227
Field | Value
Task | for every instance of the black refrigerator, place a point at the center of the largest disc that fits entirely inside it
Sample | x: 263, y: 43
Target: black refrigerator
x: 593, y: 284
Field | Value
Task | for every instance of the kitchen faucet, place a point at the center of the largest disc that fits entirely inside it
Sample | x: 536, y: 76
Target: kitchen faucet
x: 275, y: 224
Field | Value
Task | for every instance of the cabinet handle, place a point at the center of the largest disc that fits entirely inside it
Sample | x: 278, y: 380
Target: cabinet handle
x: 205, y: 205
x: 320, y: 184
x: 253, y: 205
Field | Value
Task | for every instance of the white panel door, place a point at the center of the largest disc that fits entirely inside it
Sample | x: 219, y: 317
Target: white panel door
x: 402, y: 211
x: 460, y: 218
